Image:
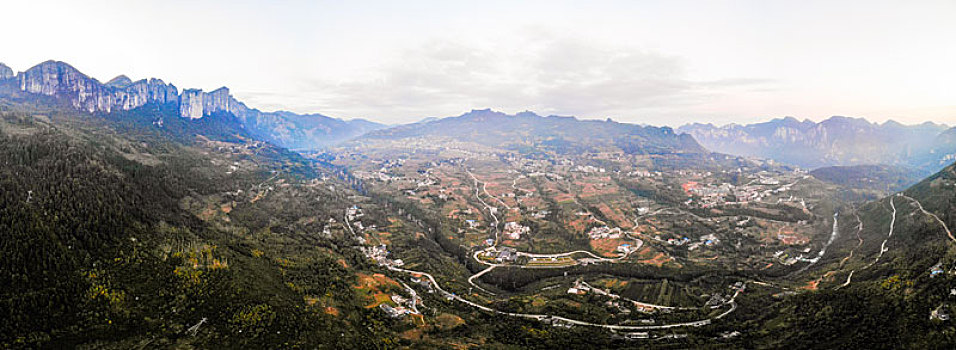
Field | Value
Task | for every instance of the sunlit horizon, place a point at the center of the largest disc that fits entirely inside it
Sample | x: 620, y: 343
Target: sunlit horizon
x: 658, y: 63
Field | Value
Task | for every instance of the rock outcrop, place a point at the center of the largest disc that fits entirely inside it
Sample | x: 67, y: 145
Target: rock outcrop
x: 5, y: 72
x: 53, y: 78
x: 196, y: 104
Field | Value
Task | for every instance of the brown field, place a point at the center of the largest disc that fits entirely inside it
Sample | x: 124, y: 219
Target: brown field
x: 615, y: 215
x: 563, y: 198
x: 788, y: 236
x: 373, y: 287
x: 611, y: 283
x: 578, y: 224
x: 448, y: 321
x: 647, y: 255
x: 592, y: 189
x: 607, y: 247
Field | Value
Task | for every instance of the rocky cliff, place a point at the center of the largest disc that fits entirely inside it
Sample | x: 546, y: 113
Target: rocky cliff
x: 53, y: 78
x: 59, y: 79
x: 5, y: 72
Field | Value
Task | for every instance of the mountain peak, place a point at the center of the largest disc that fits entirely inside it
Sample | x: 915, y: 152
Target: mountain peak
x: 55, y: 65
x: 527, y: 114
x: 483, y: 113
x: 892, y: 123
x: 121, y: 81
x: 5, y: 72
x: 848, y: 120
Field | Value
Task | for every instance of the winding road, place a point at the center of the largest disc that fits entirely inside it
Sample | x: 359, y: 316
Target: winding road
x: 553, y: 319
x: 920, y: 205
x: 732, y: 302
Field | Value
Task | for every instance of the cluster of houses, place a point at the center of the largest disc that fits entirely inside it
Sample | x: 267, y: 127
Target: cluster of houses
x: 705, y: 240
x: 548, y: 175
x: 678, y: 242
x: 626, y: 248
x: 643, y: 173
x: 616, y: 304
x: 589, y: 169
x: 473, y: 224
x: 787, y: 259
x: 506, y: 255
x: 354, y: 212
x: 379, y: 253
x: 711, y: 195
x: 417, y: 279
x: 604, y: 232
x: 397, y: 311
x: 514, y: 230
x: 579, y: 288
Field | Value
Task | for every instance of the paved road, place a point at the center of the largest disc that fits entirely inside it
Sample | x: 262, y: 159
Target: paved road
x: 539, y: 317
x: 948, y: 233
x: 471, y: 280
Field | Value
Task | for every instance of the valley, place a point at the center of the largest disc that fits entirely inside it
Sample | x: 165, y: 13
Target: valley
x: 148, y: 228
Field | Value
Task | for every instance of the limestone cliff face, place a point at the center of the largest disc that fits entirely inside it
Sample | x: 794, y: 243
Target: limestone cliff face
x: 286, y: 129
x: 5, y: 72
x: 190, y: 104
x: 54, y: 78
x: 196, y: 103
x: 152, y: 90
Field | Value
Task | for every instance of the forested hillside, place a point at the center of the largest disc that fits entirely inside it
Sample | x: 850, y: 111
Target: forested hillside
x: 114, y: 235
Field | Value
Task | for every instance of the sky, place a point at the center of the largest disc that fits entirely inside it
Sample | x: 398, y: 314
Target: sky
x: 648, y: 62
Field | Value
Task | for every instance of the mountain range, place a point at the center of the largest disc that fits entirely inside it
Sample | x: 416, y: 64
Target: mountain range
x: 137, y: 215
x: 555, y: 133
x: 925, y: 148
x: 837, y: 141
x: 286, y: 129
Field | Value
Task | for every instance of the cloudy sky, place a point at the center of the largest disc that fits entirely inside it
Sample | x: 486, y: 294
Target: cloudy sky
x: 655, y: 62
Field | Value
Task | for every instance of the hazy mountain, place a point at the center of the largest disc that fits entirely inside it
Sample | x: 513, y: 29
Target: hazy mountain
x: 881, y: 178
x: 555, y: 133
x: 835, y: 141
x: 59, y: 79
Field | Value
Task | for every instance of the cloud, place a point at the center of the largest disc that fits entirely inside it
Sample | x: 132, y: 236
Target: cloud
x: 546, y: 74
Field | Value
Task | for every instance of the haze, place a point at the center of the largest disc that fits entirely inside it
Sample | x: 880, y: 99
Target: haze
x: 662, y: 63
